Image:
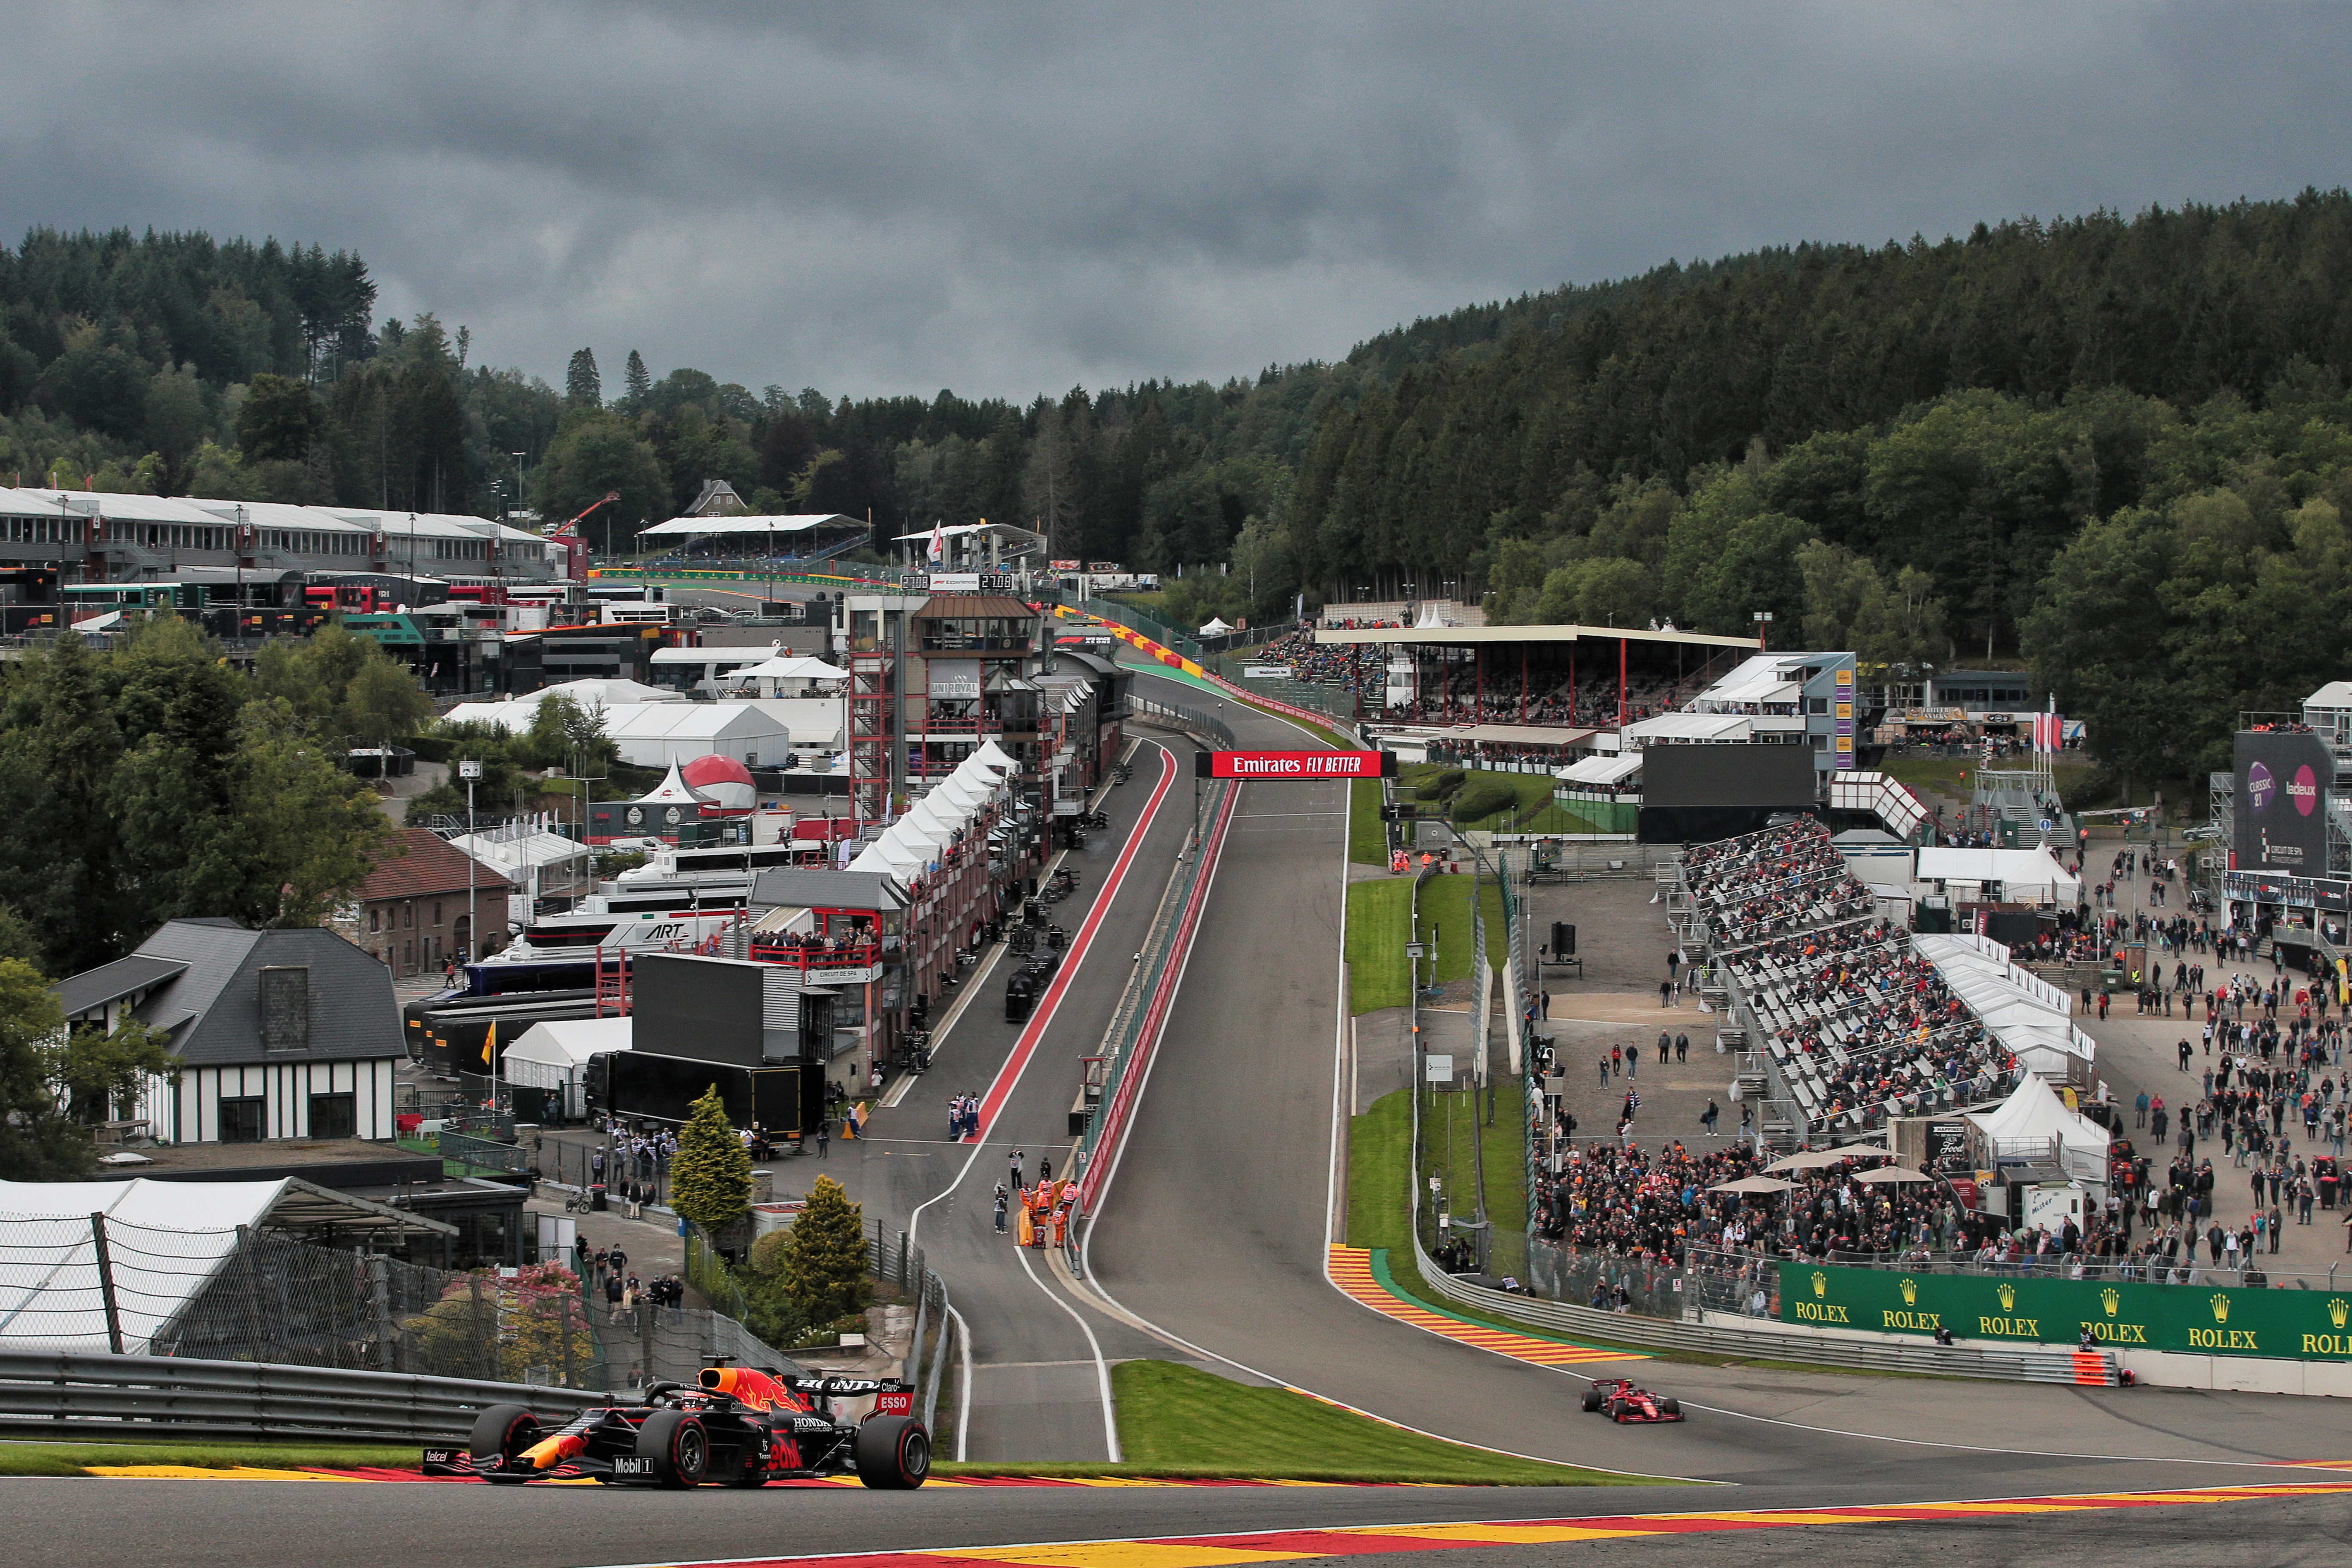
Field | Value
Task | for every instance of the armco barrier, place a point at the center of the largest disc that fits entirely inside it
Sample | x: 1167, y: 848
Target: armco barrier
x: 82, y: 1395
x: 2023, y: 1365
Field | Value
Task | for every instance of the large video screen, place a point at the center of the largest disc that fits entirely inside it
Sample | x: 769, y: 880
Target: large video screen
x: 1768, y: 774
x: 2281, y: 805
x: 705, y: 1010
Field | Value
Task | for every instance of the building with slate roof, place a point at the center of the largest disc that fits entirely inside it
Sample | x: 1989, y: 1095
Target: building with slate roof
x: 278, y: 1034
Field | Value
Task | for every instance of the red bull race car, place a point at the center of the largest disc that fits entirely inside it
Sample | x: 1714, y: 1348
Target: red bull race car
x: 1618, y: 1400
x: 736, y: 1426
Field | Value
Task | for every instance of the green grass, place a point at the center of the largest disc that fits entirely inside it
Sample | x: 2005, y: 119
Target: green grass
x: 1368, y: 838
x: 1197, y: 1423
x: 1380, y: 922
x: 1456, y: 1157
x: 74, y: 1458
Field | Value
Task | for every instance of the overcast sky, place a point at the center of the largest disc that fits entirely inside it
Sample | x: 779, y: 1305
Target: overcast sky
x: 1010, y: 199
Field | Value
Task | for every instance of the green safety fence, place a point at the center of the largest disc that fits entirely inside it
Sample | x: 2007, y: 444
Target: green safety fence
x: 2190, y: 1320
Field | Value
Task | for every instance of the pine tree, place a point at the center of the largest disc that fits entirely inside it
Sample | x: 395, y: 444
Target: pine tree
x: 824, y: 1262
x: 582, y: 387
x: 710, y: 1180
x: 636, y: 383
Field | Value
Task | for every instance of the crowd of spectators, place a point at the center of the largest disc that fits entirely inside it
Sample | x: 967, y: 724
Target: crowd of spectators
x: 1351, y: 667
x: 1858, y: 1026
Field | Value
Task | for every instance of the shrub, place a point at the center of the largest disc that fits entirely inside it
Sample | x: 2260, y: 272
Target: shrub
x: 1484, y: 798
x: 1444, y: 785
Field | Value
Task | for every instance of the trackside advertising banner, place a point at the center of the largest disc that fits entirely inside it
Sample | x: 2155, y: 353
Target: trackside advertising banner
x: 2193, y: 1319
x: 1299, y: 764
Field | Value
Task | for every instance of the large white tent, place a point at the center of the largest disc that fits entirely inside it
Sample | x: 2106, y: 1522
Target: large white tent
x: 764, y: 524
x: 2033, y: 1120
x: 2026, y: 1013
x: 2025, y: 876
x: 912, y: 845
x: 554, y: 1055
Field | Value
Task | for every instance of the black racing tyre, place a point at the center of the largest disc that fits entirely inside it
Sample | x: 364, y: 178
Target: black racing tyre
x: 1670, y: 1406
x: 1591, y: 1400
x: 501, y: 1433
x: 677, y: 1446
x: 894, y: 1453
x: 1614, y: 1410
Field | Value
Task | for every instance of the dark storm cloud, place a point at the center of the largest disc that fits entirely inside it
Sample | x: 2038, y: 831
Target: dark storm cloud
x: 1008, y: 199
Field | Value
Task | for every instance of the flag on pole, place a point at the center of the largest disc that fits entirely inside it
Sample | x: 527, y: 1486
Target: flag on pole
x: 2049, y: 733
x: 938, y: 549
x: 490, y: 1042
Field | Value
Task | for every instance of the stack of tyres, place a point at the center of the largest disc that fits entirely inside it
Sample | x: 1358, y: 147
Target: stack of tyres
x: 1020, y: 996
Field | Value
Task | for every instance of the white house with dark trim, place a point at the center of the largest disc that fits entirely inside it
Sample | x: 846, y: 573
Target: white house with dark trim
x: 278, y: 1034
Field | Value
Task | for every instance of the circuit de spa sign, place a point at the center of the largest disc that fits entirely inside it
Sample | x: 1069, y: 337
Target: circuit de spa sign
x: 1294, y: 767
x: 2190, y: 1320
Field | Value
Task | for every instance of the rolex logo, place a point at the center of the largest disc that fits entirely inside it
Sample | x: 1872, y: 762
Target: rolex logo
x: 2008, y: 1294
x: 1820, y: 1283
x: 2220, y: 1308
x: 1910, y: 1292
x: 2339, y: 1309
x: 2111, y: 1298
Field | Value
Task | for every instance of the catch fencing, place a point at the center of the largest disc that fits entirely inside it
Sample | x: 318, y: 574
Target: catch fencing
x: 100, y: 1285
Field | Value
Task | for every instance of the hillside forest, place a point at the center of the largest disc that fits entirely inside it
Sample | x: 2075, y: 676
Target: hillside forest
x: 2116, y: 448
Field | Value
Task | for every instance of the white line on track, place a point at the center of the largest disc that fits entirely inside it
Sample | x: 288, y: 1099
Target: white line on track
x: 963, y: 1392
x: 1024, y: 1050
x: 1102, y: 1367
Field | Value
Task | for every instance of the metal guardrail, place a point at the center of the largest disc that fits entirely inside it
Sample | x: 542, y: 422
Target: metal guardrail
x: 2054, y: 1364
x: 79, y: 1395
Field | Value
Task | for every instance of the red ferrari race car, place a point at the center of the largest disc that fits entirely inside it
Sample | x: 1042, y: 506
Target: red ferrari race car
x: 738, y: 1426
x: 1621, y: 1402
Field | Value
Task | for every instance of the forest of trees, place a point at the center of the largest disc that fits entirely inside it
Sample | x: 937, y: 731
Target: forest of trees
x: 1923, y: 451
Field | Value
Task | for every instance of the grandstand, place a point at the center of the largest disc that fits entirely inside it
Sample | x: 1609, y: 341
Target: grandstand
x: 1842, y: 1019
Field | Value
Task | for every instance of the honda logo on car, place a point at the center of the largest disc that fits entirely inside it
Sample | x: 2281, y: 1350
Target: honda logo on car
x: 1300, y: 764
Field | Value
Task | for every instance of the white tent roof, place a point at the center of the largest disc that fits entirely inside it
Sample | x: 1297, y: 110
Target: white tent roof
x: 2016, y: 870
x: 716, y: 655
x: 531, y: 849
x: 993, y: 755
x: 1216, y: 628
x: 559, y: 1045
x: 1691, y: 727
x: 799, y: 522
x: 595, y: 693
x: 706, y: 722
x: 674, y: 788
x: 789, y: 667
x: 1601, y: 770
x: 2034, y: 1111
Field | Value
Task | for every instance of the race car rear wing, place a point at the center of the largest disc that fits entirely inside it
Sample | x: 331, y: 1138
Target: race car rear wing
x: 846, y: 1387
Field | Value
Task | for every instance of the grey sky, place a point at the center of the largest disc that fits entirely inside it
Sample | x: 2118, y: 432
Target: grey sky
x: 1010, y: 199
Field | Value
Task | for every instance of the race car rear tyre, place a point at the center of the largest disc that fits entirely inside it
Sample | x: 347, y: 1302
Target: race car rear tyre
x: 501, y: 1433
x: 677, y: 1446
x: 1591, y: 1400
x: 894, y: 1453
x: 1670, y: 1406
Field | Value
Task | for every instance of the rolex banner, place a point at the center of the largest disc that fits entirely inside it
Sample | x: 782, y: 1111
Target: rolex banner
x: 2193, y: 1319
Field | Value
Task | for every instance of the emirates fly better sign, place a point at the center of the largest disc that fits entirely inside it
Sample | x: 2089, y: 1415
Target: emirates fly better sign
x: 1293, y: 765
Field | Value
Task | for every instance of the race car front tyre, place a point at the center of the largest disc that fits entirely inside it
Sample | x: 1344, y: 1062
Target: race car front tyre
x: 1670, y: 1406
x: 894, y: 1453
x: 677, y: 1446
x: 1614, y: 1410
x: 501, y: 1433
x: 1591, y: 1400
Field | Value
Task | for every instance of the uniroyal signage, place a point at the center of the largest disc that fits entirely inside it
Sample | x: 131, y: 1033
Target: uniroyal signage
x: 1295, y: 764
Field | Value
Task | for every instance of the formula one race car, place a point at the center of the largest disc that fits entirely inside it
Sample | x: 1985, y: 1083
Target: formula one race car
x: 1620, y: 1401
x: 741, y: 1427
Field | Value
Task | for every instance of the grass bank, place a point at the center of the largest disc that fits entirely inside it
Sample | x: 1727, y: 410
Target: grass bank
x: 1529, y: 791
x: 1367, y: 841
x: 1380, y: 923
x: 1180, y: 1420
